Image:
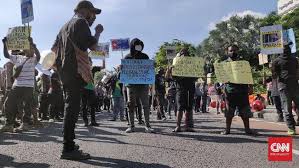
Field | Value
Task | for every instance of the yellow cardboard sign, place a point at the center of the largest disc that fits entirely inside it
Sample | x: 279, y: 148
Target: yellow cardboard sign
x: 188, y: 67
x: 18, y: 38
x: 238, y: 72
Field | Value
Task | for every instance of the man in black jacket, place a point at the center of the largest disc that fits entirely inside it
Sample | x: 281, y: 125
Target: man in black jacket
x: 138, y: 91
x: 284, y: 68
x: 72, y: 42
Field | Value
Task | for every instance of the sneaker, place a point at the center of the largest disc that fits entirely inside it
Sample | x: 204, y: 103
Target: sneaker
x: 130, y: 130
x: 225, y: 132
x: 122, y: 119
x: 58, y: 119
x: 7, y: 128
x: 51, y: 120
x: 75, y: 155
x: 22, y: 127
x: 177, y: 129
x: 291, y: 132
x: 149, y: 130
x: 169, y: 117
x: 164, y: 119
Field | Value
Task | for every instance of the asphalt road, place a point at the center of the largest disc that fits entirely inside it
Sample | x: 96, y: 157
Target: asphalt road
x: 110, y: 146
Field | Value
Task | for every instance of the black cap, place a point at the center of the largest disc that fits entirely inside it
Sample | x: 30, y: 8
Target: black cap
x: 88, y: 5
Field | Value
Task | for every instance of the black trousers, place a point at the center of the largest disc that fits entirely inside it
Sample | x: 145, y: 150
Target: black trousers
x: 88, y: 102
x: 44, y: 105
x: 72, y: 108
x: 16, y: 96
x: 56, y: 105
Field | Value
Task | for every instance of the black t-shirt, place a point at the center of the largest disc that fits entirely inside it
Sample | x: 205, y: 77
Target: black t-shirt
x: 76, y: 30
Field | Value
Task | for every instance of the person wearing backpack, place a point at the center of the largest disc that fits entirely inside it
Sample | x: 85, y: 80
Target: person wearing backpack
x: 22, y: 89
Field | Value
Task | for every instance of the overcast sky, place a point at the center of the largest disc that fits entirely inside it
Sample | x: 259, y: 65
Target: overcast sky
x: 153, y: 21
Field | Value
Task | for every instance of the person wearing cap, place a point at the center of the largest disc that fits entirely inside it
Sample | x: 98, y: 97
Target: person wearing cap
x: 284, y: 69
x: 71, y: 47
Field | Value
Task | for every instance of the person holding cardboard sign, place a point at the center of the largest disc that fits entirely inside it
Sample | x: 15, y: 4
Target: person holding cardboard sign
x: 22, y: 89
x: 71, y: 45
x: 138, y: 92
x: 184, y: 96
x: 236, y: 96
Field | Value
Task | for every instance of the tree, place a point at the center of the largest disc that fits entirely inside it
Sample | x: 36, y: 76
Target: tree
x: 291, y: 20
x: 242, y: 31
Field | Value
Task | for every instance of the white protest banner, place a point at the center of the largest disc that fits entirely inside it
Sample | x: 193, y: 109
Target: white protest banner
x: 27, y: 11
x: 170, y: 52
x: 18, y: 38
x: 263, y: 59
x: 271, y: 39
x: 102, y: 51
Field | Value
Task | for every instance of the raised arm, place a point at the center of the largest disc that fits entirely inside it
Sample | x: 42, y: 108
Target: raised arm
x: 5, y: 51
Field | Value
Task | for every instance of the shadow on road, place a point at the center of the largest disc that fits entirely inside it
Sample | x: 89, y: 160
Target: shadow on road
x: 8, y: 161
x: 117, y: 163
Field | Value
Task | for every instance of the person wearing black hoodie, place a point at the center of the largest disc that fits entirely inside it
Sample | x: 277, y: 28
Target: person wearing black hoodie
x: 284, y: 68
x: 185, y: 96
x: 138, y: 91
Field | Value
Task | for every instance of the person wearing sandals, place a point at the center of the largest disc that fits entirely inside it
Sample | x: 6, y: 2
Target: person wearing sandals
x: 236, y: 96
x: 184, y: 95
x: 71, y: 47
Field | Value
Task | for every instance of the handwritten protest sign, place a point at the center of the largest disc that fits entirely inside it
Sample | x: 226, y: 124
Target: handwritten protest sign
x: 137, y: 71
x: 18, y: 38
x: 289, y: 36
x: 188, y: 67
x: 170, y: 52
x: 102, y: 51
x: 27, y: 11
x: 271, y: 40
x: 263, y: 59
x: 238, y: 72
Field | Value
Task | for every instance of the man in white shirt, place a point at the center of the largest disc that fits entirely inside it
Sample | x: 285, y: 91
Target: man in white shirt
x: 22, y: 88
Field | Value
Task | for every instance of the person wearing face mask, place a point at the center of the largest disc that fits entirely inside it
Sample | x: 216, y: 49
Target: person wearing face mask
x: 138, y: 91
x: 22, y: 88
x: 236, y: 96
x: 284, y: 69
x: 71, y: 47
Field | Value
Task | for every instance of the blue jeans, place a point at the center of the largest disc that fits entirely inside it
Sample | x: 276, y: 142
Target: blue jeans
x: 118, y: 107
